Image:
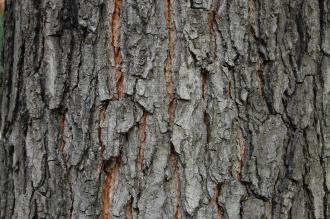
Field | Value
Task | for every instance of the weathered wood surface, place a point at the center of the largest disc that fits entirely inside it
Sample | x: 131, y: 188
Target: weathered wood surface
x: 166, y: 109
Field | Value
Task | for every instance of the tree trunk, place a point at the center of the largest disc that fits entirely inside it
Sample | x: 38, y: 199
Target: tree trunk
x: 166, y: 109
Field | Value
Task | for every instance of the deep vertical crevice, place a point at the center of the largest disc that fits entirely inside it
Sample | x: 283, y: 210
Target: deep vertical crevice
x: 252, y: 20
x: 111, y: 170
x: 65, y: 162
x: 101, y: 117
x: 117, y: 55
x: 229, y: 90
x: 211, y: 15
x: 205, y: 78
x: 206, y: 116
x: 62, y: 126
x: 69, y: 185
x: 320, y: 79
x: 234, y: 66
x: 129, y: 209
x: 142, y: 133
x: 208, y: 126
x: 169, y: 62
x: 176, y: 177
x: 260, y: 76
x: 215, y: 201
x: 211, y: 20
x: 241, y: 144
x: 8, y: 60
x: 109, y: 167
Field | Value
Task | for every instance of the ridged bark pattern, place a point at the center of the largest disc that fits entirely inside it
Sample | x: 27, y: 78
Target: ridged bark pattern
x: 166, y: 109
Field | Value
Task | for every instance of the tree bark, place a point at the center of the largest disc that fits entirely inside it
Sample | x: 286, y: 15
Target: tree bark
x: 166, y: 109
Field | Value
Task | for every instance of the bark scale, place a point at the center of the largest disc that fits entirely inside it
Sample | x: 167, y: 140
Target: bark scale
x: 166, y: 109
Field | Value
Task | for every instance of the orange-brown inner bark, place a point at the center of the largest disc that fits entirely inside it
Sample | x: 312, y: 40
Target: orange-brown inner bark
x: 169, y: 62
x: 115, y: 36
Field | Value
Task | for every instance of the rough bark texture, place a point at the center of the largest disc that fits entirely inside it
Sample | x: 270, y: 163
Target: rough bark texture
x: 166, y: 109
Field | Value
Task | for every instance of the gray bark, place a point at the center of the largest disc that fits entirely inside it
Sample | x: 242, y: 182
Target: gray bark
x: 166, y: 109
